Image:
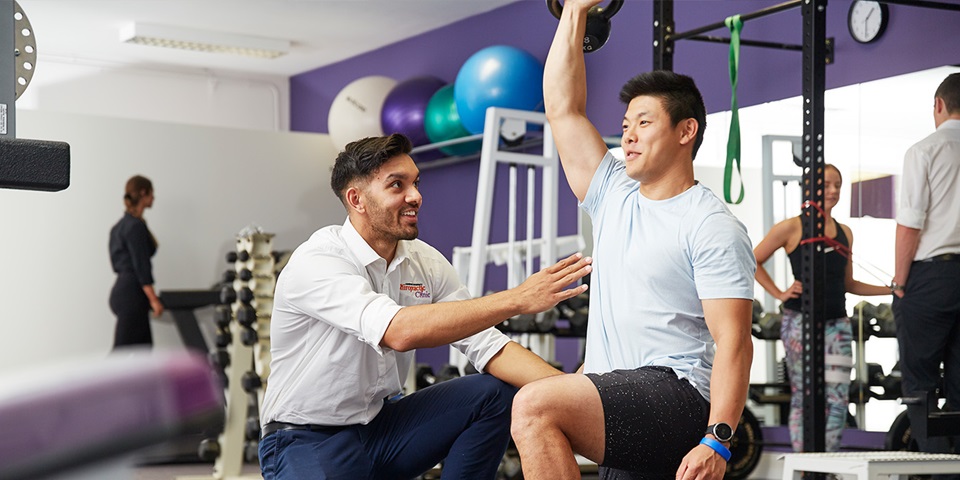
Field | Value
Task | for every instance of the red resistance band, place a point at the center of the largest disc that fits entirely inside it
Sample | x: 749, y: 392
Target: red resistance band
x: 837, y: 246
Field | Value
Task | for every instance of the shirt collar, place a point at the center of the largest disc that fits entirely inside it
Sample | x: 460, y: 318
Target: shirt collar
x: 951, y: 123
x: 366, y: 254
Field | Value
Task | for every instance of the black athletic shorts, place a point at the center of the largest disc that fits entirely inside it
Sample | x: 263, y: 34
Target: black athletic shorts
x: 652, y: 420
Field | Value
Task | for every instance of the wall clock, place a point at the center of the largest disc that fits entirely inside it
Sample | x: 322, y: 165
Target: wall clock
x: 867, y: 20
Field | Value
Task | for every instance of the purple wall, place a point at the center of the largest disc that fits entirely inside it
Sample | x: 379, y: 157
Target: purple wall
x: 915, y: 39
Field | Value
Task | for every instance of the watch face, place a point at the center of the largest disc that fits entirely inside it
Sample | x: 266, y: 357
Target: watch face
x: 722, y: 431
x: 867, y: 20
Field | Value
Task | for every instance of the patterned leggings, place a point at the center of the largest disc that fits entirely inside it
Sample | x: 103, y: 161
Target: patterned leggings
x: 838, y: 361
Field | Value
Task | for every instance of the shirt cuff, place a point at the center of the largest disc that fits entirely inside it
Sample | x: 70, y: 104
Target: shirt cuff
x: 911, y: 218
x: 375, y: 320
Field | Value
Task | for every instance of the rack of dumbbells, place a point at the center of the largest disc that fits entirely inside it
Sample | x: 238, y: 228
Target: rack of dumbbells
x: 243, y: 351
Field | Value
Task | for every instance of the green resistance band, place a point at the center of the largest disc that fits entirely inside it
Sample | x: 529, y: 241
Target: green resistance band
x: 733, y: 140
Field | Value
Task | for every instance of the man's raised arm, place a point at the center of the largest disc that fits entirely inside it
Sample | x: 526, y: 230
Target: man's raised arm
x: 565, y: 99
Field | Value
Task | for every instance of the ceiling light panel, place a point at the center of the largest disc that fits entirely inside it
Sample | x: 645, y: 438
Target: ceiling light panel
x: 203, y: 41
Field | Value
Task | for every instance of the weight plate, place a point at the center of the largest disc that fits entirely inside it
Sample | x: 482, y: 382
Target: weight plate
x: 26, y: 49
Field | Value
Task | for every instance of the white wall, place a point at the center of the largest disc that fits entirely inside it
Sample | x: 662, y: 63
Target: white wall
x: 209, y: 182
x: 195, y: 97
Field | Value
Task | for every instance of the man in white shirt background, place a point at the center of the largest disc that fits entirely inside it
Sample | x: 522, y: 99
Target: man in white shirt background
x: 926, y: 284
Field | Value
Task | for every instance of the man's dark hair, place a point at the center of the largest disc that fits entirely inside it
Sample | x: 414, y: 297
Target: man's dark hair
x: 678, y: 93
x: 363, y: 157
x: 949, y: 91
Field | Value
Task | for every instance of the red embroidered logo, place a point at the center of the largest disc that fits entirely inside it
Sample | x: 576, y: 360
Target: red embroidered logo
x: 418, y: 289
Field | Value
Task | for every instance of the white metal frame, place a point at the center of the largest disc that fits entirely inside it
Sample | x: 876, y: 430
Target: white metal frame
x: 547, y: 246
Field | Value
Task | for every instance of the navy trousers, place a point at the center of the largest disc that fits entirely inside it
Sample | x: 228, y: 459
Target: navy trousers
x: 928, y: 331
x: 464, y: 422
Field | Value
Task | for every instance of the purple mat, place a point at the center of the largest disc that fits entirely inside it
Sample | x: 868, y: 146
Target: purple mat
x: 64, y: 416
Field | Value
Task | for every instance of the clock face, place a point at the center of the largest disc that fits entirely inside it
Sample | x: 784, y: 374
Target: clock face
x: 867, y: 20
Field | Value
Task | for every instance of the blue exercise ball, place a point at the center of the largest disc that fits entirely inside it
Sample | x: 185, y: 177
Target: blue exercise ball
x: 442, y: 122
x: 405, y: 106
x: 497, y: 76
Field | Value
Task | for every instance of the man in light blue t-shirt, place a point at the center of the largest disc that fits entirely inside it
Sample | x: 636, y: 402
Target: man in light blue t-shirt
x: 668, y: 348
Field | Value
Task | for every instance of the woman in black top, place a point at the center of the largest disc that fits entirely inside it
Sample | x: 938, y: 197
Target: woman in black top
x: 838, y: 240
x: 131, y: 246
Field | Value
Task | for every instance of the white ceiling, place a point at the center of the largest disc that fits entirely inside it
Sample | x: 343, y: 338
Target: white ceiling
x: 321, y: 31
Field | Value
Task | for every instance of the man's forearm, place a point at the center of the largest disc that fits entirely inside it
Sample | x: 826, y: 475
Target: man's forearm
x: 729, y: 381
x: 518, y: 366
x: 431, y: 325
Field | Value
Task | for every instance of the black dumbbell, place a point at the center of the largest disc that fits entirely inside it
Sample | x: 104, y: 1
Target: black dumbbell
x: 545, y: 321
x: 768, y: 327
x: 231, y: 257
x: 229, y: 276
x: 246, y: 295
x: 874, y: 376
x: 246, y: 274
x: 757, y: 311
x: 597, y: 29
x: 209, y: 449
x: 227, y: 295
x: 223, y: 338
x: 576, y: 310
x: 424, y: 376
x: 252, y: 430
x: 886, y: 326
x: 220, y: 358
x: 249, y: 337
x: 892, y: 384
x: 523, y: 322
x: 250, y: 382
x: 579, y: 301
x: 222, y: 316
x: 243, y: 255
x: 448, y: 372
x: 246, y: 314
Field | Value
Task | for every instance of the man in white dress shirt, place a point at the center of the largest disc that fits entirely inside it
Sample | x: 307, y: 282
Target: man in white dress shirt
x: 926, y: 282
x: 351, y: 306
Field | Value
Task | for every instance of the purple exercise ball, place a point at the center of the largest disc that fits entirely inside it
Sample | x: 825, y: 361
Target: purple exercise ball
x: 405, y: 105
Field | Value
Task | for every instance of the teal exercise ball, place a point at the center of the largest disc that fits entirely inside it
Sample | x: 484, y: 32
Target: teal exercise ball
x: 442, y: 122
x: 497, y: 76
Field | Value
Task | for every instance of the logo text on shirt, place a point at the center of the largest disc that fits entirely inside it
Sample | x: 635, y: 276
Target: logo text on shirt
x: 418, y: 289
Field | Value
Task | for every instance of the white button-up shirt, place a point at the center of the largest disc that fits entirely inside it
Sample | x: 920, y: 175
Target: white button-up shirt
x: 334, y: 300
x: 929, y: 191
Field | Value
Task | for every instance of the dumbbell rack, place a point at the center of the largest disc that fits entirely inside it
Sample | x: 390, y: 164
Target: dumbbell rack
x: 246, y: 304
x: 518, y: 256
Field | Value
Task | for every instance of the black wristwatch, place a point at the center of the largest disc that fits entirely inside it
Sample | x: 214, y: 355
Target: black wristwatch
x: 721, y: 431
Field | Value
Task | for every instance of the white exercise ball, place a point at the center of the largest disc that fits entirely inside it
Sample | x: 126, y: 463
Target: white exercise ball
x: 355, y: 111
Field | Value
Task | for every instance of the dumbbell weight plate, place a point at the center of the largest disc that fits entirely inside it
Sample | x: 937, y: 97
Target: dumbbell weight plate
x: 899, y: 436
